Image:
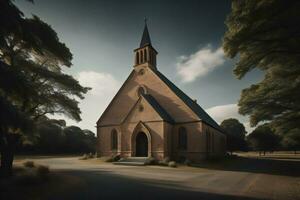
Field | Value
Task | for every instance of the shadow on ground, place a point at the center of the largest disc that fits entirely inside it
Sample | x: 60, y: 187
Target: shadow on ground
x: 106, y: 185
x: 264, y: 165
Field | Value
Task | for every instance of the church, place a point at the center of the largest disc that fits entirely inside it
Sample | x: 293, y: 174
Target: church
x: 151, y: 117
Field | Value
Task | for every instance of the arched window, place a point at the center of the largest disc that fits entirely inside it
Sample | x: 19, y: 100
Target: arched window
x: 137, y: 58
x: 142, y: 56
x: 145, y: 55
x: 114, y: 139
x: 182, y: 138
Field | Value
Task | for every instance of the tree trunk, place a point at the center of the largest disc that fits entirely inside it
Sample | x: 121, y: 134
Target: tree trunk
x: 7, y: 154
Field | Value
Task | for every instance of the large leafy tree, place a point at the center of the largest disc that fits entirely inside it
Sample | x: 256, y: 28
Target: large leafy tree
x: 263, y: 139
x: 291, y: 141
x: 265, y: 34
x: 35, y: 85
x: 235, y: 132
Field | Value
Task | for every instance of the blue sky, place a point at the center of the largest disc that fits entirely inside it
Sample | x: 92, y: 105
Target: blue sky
x: 187, y: 35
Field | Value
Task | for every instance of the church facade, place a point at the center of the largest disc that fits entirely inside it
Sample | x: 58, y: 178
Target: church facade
x: 151, y: 117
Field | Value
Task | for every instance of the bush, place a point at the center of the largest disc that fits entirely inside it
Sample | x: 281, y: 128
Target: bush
x: 84, y: 157
x: 164, y: 162
x: 187, y: 162
x: 172, y: 164
x: 43, y: 171
x: 150, y: 161
x: 90, y: 155
x: 29, y: 164
x: 116, y: 158
x: 108, y: 159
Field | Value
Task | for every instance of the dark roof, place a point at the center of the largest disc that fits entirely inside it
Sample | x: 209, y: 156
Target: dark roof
x: 145, y: 38
x: 189, y: 102
x: 159, y: 109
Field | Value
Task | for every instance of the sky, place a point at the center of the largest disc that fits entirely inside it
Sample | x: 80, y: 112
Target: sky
x: 187, y: 34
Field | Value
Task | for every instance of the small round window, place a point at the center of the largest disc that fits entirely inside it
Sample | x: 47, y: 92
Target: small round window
x: 141, y: 108
x: 141, y: 91
x: 141, y: 72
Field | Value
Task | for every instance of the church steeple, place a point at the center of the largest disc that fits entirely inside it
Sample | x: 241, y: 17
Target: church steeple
x: 146, y: 37
x: 145, y: 55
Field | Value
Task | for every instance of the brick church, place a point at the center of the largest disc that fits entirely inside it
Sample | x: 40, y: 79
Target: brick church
x: 151, y: 117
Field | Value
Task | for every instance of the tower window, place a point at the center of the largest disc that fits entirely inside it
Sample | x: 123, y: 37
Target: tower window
x: 145, y: 55
x: 182, y: 138
x: 137, y: 58
x: 141, y: 90
x: 142, y: 57
x: 141, y: 72
x: 114, y: 139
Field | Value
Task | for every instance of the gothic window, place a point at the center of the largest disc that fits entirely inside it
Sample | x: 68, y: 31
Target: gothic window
x: 182, y: 138
x: 137, y: 58
x: 114, y: 139
x: 145, y: 55
x: 208, y: 141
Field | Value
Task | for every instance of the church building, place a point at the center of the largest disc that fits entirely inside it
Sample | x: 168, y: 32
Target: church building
x: 151, y: 117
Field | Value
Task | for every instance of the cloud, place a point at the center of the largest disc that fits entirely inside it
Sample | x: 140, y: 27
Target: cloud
x: 200, y: 63
x: 104, y: 87
x: 101, y: 83
x: 221, y: 112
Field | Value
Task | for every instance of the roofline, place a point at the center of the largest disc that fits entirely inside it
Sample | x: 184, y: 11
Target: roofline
x: 123, y: 85
x: 217, y: 125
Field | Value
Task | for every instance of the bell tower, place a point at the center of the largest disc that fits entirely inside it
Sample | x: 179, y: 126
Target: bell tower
x: 145, y: 55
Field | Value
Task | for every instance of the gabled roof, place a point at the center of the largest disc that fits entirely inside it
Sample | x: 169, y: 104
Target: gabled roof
x: 159, y: 109
x: 189, y: 102
x: 155, y: 105
x: 145, y: 38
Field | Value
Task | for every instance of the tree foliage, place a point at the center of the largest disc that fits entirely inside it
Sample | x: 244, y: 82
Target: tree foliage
x: 291, y: 140
x: 263, y: 139
x: 54, y: 137
x: 266, y: 35
x: 32, y: 81
x: 235, y: 132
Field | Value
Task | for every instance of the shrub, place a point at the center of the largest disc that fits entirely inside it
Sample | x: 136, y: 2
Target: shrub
x: 164, y: 162
x: 43, y: 171
x: 172, y: 164
x: 29, y: 164
x: 84, y: 157
x: 110, y: 159
x: 150, y: 161
x: 116, y: 158
x: 187, y: 162
x: 90, y: 155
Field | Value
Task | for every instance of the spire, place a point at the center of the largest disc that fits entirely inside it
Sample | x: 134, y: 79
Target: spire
x: 146, y: 37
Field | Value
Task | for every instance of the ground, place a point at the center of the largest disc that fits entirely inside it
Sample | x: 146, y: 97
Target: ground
x: 276, y: 176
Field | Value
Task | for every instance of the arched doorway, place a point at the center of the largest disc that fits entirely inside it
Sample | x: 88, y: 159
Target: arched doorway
x: 141, y: 145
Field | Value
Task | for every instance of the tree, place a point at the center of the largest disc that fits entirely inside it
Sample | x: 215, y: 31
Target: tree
x: 266, y: 35
x: 235, y: 132
x: 292, y: 140
x: 263, y: 139
x: 31, y: 52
